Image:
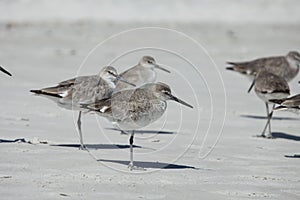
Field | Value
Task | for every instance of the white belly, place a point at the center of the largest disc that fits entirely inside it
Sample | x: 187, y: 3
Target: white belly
x: 267, y: 96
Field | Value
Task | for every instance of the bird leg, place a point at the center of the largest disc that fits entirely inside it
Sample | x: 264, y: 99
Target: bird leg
x: 131, y: 166
x: 268, y: 114
x: 269, y: 118
x: 268, y: 124
x: 82, y: 146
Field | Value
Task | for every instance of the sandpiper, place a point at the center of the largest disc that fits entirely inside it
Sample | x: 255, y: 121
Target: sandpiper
x: 284, y: 66
x: 5, y: 71
x: 135, y: 108
x: 143, y: 72
x: 270, y: 86
x: 69, y: 94
x: 291, y: 104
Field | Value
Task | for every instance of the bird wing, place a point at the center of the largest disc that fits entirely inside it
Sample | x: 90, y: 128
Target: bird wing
x: 251, y: 67
x: 120, y: 105
x: 271, y: 83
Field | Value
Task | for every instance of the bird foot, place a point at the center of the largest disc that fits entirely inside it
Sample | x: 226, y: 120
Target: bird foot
x: 133, y: 167
x: 269, y: 136
x: 83, y: 147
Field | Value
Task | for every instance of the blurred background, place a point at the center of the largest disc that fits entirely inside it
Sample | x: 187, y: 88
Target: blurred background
x: 171, y: 11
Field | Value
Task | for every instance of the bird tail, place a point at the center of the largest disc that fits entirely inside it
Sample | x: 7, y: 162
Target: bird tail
x: 241, y: 67
x: 277, y: 101
x: 44, y: 92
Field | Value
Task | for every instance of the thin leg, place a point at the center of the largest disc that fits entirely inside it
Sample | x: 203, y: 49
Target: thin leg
x: 82, y: 147
x: 131, y: 150
x: 268, y: 115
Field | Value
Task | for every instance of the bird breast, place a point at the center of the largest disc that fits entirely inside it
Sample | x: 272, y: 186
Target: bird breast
x: 139, y: 116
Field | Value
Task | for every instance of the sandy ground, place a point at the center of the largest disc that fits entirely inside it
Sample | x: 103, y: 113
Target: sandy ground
x: 48, y: 165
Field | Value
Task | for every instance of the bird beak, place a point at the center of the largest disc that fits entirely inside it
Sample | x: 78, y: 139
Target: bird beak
x: 251, y: 86
x: 180, y: 101
x: 230, y: 68
x: 119, y: 78
x: 161, y: 68
x: 3, y: 70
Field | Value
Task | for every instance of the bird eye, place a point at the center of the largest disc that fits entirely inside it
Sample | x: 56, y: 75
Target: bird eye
x: 111, y: 73
x: 166, y: 92
x: 149, y: 62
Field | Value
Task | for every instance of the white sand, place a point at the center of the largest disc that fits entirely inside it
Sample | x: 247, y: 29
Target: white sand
x: 239, y: 167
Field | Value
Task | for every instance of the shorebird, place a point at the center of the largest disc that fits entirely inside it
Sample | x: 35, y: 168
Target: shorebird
x: 284, y: 66
x: 143, y: 72
x: 5, y: 71
x: 291, y: 104
x: 270, y: 86
x: 135, y: 108
x: 69, y: 94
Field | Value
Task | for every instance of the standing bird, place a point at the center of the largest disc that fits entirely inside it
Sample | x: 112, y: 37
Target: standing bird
x: 135, y: 108
x: 71, y: 93
x: 291, y: 104
x: 143, y: 72
x: 5, y: 71
x: 270, y: 86
x: 283, y: 66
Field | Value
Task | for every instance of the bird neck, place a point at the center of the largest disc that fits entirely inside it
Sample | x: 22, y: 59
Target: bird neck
x: 294, y: 64
x: 111, y: 82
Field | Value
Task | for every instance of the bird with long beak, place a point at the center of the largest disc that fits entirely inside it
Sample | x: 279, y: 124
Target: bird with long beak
x: 144, y: 72
x: 133, y: 109
x: 69, y: 94
x: 5, y: 71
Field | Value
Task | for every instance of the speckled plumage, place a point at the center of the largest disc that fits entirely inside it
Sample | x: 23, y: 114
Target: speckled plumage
x: 135, y: 108
x: 71, y: 93
x: 284, y: 66
x: 270, y: 86
x: 132, y: 109
x: 267, y: 83
x: 144, y: 72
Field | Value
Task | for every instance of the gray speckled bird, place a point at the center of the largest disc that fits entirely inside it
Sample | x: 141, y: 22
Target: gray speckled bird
x: 135, y: 108
x: 71, y: 93
x: 284, y: 66
x: 5, y: 71
x: 270, y: 86
x: 143, y: 72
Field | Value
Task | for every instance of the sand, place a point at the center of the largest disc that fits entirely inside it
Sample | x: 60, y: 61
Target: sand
x: 209, y: 152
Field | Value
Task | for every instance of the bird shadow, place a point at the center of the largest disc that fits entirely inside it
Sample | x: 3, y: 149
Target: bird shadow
x: 280, y: 135
x: 152, y: 165
x: 292, y: 156
x: 89, y: 146
x: 19, y: 140
x: 142, y: 131
x: 273, y: 118
x: 97, y: 146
